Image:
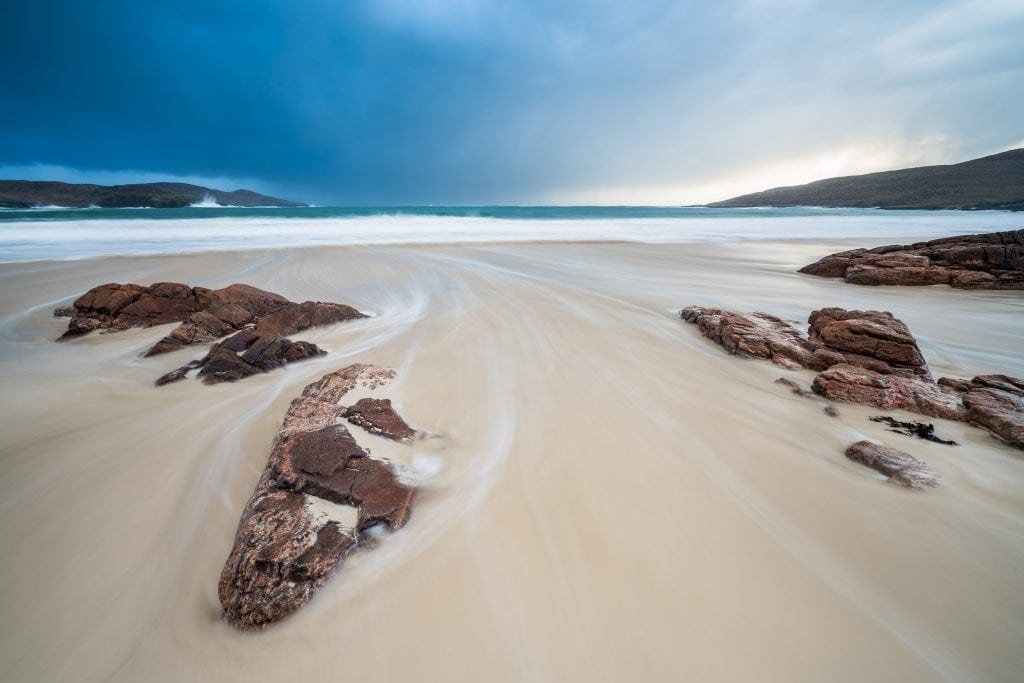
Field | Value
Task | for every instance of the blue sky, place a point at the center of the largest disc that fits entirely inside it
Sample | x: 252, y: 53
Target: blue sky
x: 481, y: 101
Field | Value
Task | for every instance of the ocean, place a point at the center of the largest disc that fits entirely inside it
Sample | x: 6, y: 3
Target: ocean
x: 59, y: 234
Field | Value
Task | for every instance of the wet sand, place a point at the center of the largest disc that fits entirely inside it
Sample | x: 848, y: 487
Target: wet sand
x: 616, y: 499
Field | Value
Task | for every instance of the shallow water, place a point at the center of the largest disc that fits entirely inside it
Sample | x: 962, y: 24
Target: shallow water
x: 616, y: 498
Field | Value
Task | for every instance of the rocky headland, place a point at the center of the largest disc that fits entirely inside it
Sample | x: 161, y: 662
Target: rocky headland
x: 26, y: 194
x: 992, y: 182
x: 987, y: 261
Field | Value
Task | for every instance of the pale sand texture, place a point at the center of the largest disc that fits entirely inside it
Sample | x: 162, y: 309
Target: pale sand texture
x: 615, y: 499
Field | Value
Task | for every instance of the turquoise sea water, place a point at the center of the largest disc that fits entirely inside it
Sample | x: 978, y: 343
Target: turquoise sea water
x: 41, y: 234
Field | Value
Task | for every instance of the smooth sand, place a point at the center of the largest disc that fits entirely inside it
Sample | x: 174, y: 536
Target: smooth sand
x: 616, y: 499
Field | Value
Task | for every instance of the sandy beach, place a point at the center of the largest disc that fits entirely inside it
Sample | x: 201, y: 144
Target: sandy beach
x: 615, y: 497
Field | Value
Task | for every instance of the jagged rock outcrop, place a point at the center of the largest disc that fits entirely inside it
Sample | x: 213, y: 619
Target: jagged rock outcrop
x: 901, y: 468
x: 242, y: 355
x: 986, y: 261
x: 318, y: 496
x: 205, y: 315
x: 871, y: 358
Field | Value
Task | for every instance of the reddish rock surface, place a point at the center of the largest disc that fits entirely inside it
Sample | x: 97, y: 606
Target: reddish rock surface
x: 995, y: 402
x: 988, y: 261
x: 872, y: 339
x: 901, y: 468
x: 868, y: 357
x: 757, y: 335
x: 861, y: 385
x: 289, y: 542
x: 376, y: 416
x: 205, y: 315
x: 242, y: 355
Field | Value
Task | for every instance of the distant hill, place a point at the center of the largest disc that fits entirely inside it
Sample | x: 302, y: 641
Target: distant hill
x: 25, y: 194
x: 992, y: 182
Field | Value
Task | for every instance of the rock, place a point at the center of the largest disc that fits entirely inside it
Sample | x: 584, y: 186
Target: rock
x: 294, y: 531
x: 987, y: 261
x: 376, y: 416
x: 830, y: 411
x: 861, y: 385
x: 1000, y: 412
x: 293, y: 318
x: 872, y: 339
x: 918, y: 429
x: 242, y: 355
x: 758, y: 335
x: 900, y: 467
x: 205, y: 315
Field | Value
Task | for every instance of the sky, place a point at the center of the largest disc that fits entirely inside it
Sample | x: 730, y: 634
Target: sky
x: 503, y: 102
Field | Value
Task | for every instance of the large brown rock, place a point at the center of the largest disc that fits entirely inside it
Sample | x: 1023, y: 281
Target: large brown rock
x: 294, y: 532
x: 987, y: 261
x: 901, y: 468
x: 860, y: 385
x: 871, y: 339
x: 205, y: 314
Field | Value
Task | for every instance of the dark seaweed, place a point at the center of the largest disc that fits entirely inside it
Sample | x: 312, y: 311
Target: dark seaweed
x: 918, y: 429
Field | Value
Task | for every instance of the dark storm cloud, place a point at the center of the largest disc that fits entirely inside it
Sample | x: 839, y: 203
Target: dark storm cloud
x: 476, y: 101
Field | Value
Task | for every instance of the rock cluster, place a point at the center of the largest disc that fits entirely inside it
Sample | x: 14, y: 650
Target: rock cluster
x: 868, y: 357
x: 988, y: 261
x: 318, y: 496
x: 901, y: 468
x: 205, y: 315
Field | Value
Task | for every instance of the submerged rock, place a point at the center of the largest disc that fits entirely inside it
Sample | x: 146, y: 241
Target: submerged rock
x: 901, y: 468
x: 987, y: 261
x: 205, y: 315
x: 318, y: 496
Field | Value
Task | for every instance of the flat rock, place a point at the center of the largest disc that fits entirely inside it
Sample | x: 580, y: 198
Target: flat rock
x: 205, y: 314
x: 293, y: 533
x: 986, y: 261
x: 901, y: 468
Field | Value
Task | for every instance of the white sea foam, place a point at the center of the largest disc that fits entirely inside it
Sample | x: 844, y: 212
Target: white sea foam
x: 30, y: 240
